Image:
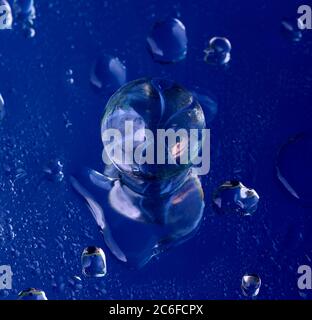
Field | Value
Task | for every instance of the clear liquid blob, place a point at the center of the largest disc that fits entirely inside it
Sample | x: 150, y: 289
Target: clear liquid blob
x: 143, y: 210
x: 108, y: 72
x: 234, y: 197
x: 218, y: 51
x: 32, y: 294
x: 251, y: 284
x: 167, y: 41
x: 290, y: 28
x: 93, y: 262
x: 293, y: 166
x: 7, y: 11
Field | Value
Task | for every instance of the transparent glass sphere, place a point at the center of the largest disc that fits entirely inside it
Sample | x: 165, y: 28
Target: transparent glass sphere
x: 151, y: 106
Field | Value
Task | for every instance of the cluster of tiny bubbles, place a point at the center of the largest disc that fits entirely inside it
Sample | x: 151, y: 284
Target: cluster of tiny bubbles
x: 234, y: 197
x: 32, y: 294
x: 93, y: 262
x: 167, y: 41
x: 2, y: 110
x: 6, y: 8
x: 25, y: 13
x: 108, y: 72
x: 291, y: 29
x: 250, y: 285
x: 218, y: 51
x: 54, y: 171
x: 293, y: 166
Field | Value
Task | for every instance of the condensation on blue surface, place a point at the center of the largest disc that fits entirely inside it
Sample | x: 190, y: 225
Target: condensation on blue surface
x: 263, y: 99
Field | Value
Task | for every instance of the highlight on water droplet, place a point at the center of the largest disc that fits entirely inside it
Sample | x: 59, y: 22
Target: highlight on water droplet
x: 108, y: 72
x: 93, y: 262
x: 250, y: 285
x: 292, y: 29
x: 234, y: 197
x: 2, y: 110
x: 167, y: 41
x: 293, y: 166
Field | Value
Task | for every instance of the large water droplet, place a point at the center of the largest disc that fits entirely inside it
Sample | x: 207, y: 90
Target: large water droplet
x: 167, y: 41
x: 294, y: 169
x: 108, y: 72
x: 251, y: 284
x: 233, y: 196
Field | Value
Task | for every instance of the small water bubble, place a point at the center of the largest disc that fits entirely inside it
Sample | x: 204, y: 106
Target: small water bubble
x: 93, y: 262
x: 233, y: 196
x: 108, y: 72
x: 250, y: 285
x: 167, y: 41
x: 218, y: 51
x: 32, y: 294
x: 290, y: 28
x: 30, y: 32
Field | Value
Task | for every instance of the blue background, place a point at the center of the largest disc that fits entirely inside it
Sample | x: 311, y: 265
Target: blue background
x: 264, y: 97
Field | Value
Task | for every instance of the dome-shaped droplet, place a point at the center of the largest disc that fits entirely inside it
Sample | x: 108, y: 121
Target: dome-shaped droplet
x: 233, y: 196
x: 108, y: 72
x: 32, y: 294
x: 218, y: 51
x: 167, y: 41
x: 93, y: 262
x: 250, y: 285
x: 294, y: 169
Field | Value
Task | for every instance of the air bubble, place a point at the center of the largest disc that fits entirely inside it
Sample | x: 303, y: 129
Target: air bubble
x: 167, y: 41
x: 54, y: 171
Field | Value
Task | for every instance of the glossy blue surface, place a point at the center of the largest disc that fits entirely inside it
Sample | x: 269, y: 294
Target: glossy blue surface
x: 264, y: 98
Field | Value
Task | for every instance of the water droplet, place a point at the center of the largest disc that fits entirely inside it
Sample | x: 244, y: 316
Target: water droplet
x: 290, y: 28
x: 32, y: 294
x: 153, y: 104
x: 233, y: 196
x: 54, y: 171
x: 251, y: 284
x: 2, y: 110
x: 6, y: 8
x: 167, y: 41
x: 93, y: 262
x: 108, y: 72
x: 25, y: 14
x: 293, y: 166
x: 218, y: 51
